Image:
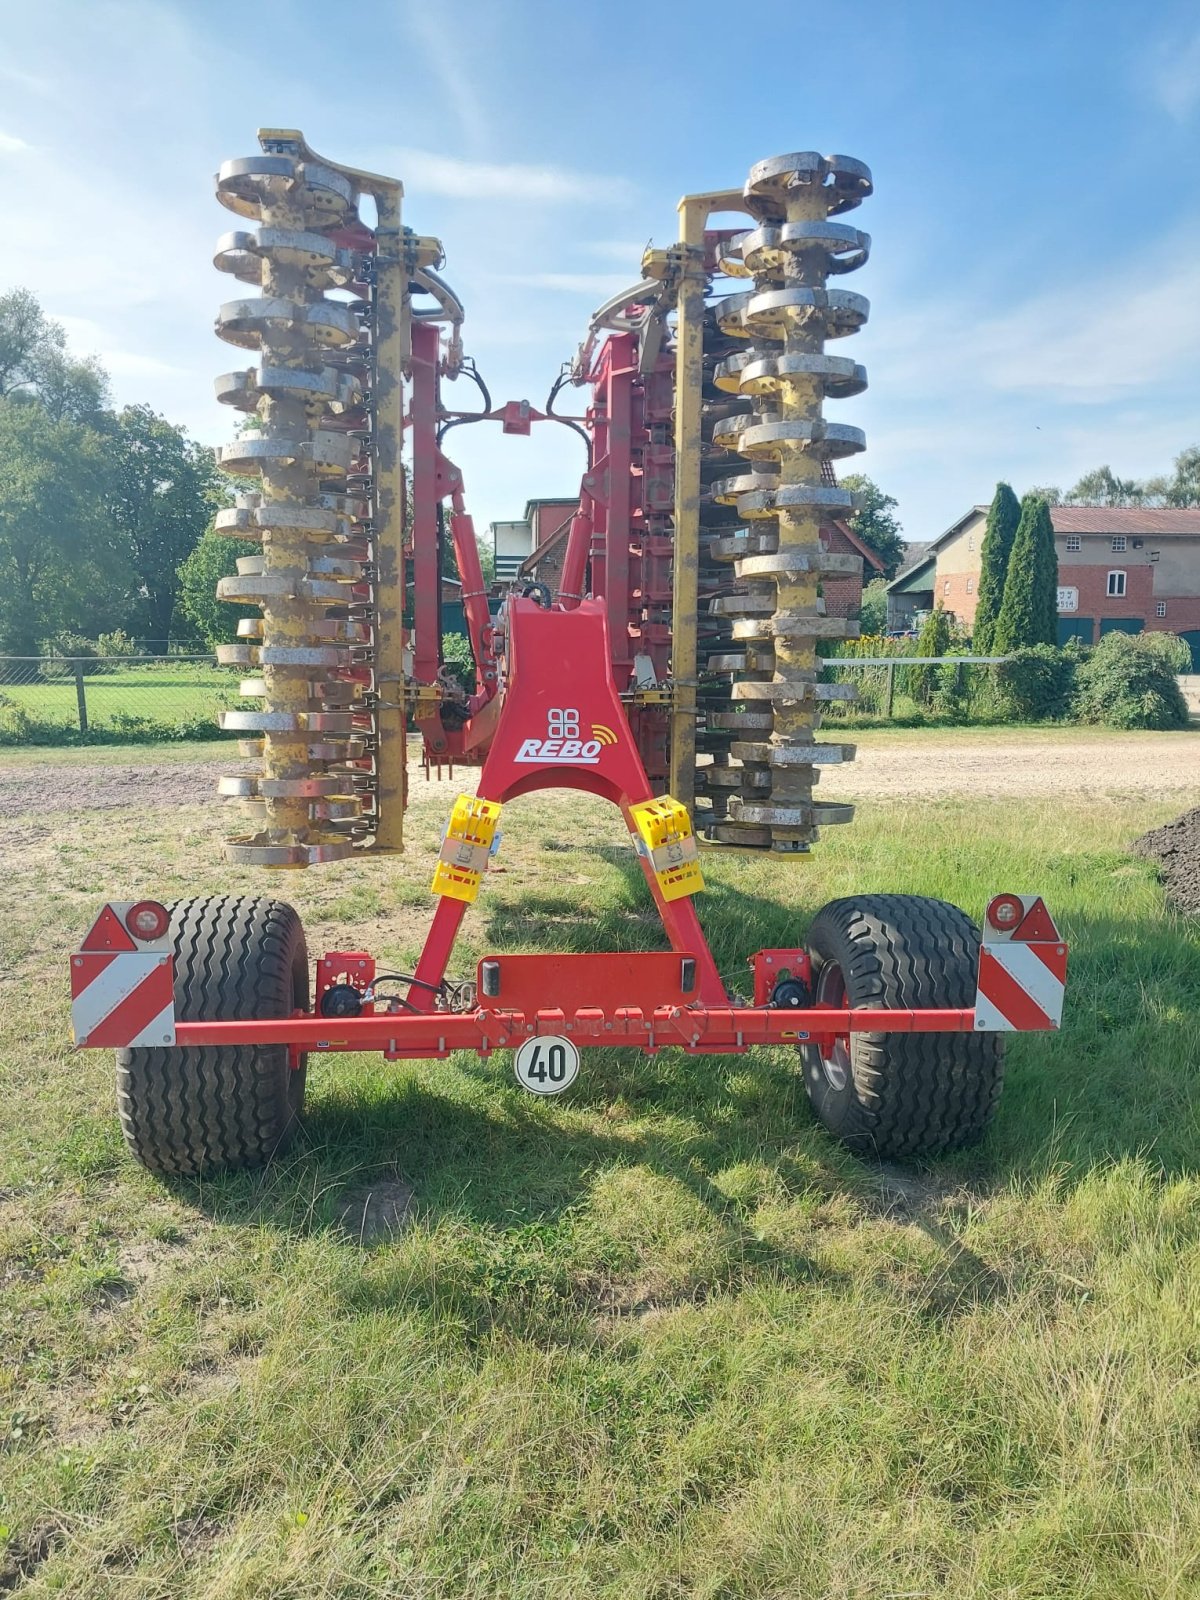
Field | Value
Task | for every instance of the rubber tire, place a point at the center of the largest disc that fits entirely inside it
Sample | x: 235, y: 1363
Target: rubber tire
x: 190, y: 1111
x: 905, y: 1094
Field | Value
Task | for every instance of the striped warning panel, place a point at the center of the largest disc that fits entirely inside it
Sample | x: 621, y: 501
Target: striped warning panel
x: 1021, y: 986
x: 122, y: 998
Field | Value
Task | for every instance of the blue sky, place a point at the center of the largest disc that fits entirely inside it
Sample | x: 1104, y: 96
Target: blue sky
x: 1035, y: 277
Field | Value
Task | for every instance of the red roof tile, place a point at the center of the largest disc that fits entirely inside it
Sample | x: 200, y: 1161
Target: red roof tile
x: 1124, y: 519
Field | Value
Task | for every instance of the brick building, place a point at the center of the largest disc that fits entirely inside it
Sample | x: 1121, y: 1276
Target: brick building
x: 843, y: 596
x: 514, y: 542
x: 1118, y: 568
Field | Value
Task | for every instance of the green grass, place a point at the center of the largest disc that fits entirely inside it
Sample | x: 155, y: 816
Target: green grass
x: 161, y: 699
x: 662, y: 1338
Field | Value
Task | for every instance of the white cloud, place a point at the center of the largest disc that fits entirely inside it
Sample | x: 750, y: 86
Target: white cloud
x: 26, y: 80
x: 1174, y: 75
x: 91, y: 338
x: 10, y: 145
x: 444, y: 56
x: 1086, y: 341
x: 434, y: 173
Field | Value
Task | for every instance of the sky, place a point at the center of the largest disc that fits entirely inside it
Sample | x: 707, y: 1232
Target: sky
x: 1035, y: 270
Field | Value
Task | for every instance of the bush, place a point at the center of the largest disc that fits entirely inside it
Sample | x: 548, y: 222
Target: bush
x: 457, y: 657
x: 951, y: 701
x: 933, y: 640
x: 14, y: 722
x: 1036, y: 683
x: 64, y: 650
x: 115, y: 644
x: 872, y: 614
x: 1128, y: 681
x: 1176, y: 652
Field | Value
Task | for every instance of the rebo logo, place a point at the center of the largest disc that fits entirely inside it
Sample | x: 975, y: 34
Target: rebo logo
x: 562, y: 743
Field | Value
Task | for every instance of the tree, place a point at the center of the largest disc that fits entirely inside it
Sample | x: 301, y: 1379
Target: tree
x: 34, y: 364
x: 1003, y: 515
x: 933, y: 640
x: 1103, y: 488
x: 62, y: 564
x: 1029, y: 610
x: 873, y: 522
x: 211, y: 559
x: 1183, y: 489
x: 872, y: 614
x: 1050, y: 493
x: 165, y: 489
x: 487, y: 562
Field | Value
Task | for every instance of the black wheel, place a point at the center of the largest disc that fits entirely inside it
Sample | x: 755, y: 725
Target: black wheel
x: 187, y: 1111
x: 896, y: 1094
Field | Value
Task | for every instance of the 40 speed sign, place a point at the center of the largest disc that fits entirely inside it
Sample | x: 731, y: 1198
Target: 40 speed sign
x: 546, y: 1065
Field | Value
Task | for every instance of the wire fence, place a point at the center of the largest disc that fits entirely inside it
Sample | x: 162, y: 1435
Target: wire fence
x: 100, y: 699
x: 904, y: 687
x: 59, y: 699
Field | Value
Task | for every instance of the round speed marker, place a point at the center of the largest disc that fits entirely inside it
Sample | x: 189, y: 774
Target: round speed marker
x: 546, y: 1065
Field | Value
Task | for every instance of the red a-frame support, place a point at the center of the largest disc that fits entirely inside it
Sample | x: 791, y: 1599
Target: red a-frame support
x: 563, y: 726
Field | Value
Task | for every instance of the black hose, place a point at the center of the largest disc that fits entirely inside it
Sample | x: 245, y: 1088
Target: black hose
x: 469, y: 369
x: 566, y: 421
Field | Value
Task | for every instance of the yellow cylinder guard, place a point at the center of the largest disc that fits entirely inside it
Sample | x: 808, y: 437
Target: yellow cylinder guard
x: 466, y: 847
x: 665, y: 838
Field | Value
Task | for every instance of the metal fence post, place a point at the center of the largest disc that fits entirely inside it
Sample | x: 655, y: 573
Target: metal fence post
x: 80, y: 697
x: 890, y: 692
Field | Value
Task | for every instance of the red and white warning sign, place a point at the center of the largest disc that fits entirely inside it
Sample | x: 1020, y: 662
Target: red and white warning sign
x: 123, y: 978
x: 1022, y: 967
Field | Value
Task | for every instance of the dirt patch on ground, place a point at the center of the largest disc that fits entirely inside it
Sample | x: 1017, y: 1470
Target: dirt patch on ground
x: 935, y: 764
x: 374, y: 1212
x: 51, y: 786
x: 24, y: 1557
x: 1176, y: 849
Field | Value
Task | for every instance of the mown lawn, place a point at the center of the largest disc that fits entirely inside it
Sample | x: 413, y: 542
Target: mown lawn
x: 164, y: 694
x: 662, y: 1338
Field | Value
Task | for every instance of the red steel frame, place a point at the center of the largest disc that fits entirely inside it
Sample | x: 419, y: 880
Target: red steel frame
x: 559, y: 661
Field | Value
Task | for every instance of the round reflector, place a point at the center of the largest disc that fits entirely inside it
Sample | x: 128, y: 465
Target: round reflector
x: 1005, y: 912
x: 147, y: 920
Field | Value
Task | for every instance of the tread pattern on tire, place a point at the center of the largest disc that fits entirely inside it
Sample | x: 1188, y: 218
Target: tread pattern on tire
x: 187, y: 1111
x: 909, y: 1094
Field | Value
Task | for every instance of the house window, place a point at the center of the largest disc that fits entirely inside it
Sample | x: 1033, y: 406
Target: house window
x: 1073, y: 541
x: 970, y: 541
x: 1118, y: 544
x: 946, y: 586
x: 970, y: 585
x: 1116, y: 585
x: 1160, y: 608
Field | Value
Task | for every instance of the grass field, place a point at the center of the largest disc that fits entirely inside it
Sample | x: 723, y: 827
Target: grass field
x: 164, y: 696
x: 661, y: 1339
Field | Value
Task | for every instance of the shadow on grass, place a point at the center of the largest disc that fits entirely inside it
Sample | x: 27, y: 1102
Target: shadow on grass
x: 1121, y: 1079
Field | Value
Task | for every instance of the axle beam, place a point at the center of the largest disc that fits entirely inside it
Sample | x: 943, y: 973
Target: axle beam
x: 699, y: 1030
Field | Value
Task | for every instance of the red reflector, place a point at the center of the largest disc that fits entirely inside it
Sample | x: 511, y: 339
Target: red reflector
x: 147, y: 920
x: 1005, y: 912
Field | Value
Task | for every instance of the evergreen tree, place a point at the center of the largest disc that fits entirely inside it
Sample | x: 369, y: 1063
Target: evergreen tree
x: 1046, y: 589
x: 1029, y: 610
x: 1003, y: 516
x: 933, y: 640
